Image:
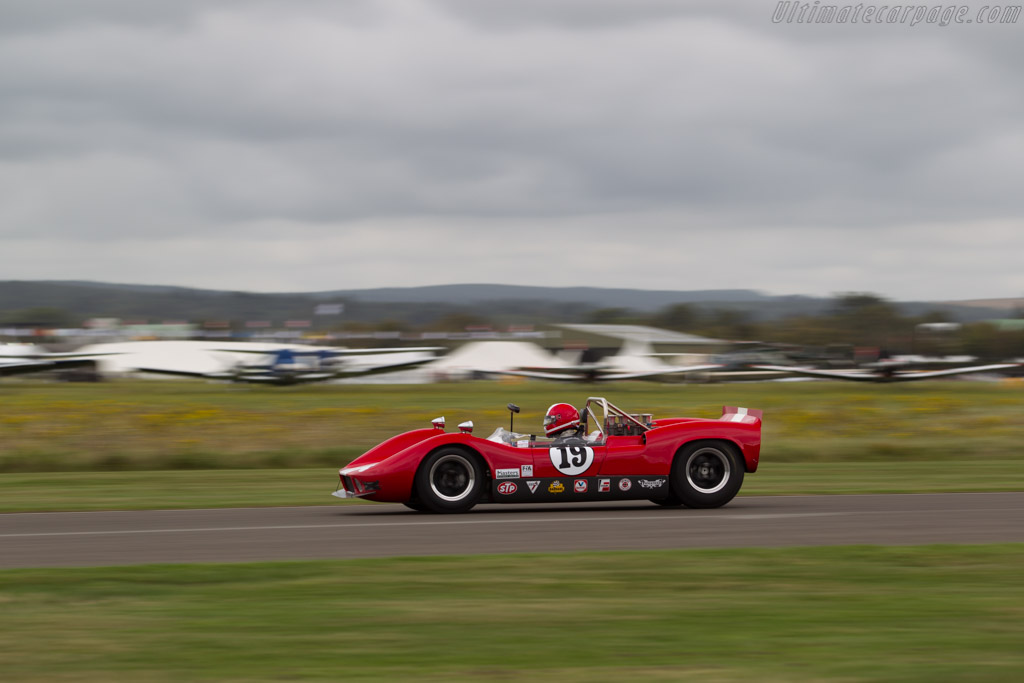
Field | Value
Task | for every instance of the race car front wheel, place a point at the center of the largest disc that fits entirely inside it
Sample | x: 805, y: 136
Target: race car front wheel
x: 706, y: 474
x: 449, y: 480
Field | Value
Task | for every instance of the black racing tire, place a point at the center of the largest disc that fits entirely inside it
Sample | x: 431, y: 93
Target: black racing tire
x: 706, y: 474
x: 669, y: 501
x: 450, y: 479
x: 415, y: 505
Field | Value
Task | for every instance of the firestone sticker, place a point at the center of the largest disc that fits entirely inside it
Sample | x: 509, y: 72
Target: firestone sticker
x: 604, y: 485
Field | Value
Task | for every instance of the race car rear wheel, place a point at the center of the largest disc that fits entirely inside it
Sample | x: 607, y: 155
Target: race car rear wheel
x: 706, y: 474
x: 449, y: 480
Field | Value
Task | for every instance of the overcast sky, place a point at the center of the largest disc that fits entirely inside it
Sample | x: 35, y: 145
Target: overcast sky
x: 302, y: 145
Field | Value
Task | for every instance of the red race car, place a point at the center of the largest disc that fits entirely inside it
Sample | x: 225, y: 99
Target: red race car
x: 584, y: 456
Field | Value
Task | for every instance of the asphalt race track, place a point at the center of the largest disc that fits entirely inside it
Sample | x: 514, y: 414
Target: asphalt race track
x: 354, y: 531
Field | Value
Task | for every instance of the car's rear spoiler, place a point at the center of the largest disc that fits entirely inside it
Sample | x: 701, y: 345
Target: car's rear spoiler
x: 734, y: 414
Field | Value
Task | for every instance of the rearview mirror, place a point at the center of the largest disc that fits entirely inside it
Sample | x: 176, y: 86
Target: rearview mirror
x: 512, y: 409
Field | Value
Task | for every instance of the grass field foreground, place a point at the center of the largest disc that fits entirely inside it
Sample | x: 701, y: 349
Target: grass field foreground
x: 855, y: 613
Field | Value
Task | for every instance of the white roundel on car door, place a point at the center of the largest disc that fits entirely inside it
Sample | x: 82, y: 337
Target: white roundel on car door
x: 571, y: 460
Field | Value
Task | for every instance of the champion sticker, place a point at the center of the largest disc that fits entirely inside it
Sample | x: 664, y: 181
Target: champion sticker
x: 625, y: 484
x: 604, y: 485
x: 507, y: 473
x: 527, y: 470
x: 533, y: 484
x: 580, y: 486
x: 506, y: 488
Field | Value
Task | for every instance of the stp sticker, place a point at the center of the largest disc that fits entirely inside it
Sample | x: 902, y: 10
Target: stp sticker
x: 507, y: 473
x: 580, y: 486
x: 604, y: 485
x: 506, y: 488
x: 625, y: 484
x: 556, y: 487
x: 571, y: 460
x: 533, y: 484
x: 527, y: 470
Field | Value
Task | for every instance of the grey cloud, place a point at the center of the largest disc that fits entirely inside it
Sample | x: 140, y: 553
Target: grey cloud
x: 199, y: 117
x: 566, y: 14
x: 57, y: 15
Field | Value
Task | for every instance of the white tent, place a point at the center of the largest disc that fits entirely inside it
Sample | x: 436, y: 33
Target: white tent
x: 491, y: 356
x: 634, y: 357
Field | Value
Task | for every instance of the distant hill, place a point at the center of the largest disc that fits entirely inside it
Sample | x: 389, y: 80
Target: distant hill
x: 85, y: 300
x: 637, y: 299
x: 412, y: 305
x: 1011, y: 305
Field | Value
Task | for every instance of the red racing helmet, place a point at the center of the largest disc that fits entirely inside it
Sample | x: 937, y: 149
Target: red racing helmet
x: 560, y: 417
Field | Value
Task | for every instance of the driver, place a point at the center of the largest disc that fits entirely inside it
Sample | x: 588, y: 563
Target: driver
x: 562, y: 422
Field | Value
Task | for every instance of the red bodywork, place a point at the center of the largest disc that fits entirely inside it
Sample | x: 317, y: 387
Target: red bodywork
x: 386, y: 473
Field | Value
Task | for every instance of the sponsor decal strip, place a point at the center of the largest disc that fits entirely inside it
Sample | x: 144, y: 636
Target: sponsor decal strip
x: 579, y: 488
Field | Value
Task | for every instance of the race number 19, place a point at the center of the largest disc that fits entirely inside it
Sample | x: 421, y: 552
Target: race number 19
x: 571, y: 460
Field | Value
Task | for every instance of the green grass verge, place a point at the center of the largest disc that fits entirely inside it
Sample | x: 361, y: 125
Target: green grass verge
x: 38, y: 492
x: 132, y: 425
x: 854, y: 613
x: 129, y: 444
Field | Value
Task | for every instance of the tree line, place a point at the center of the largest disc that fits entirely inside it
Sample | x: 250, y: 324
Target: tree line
x: 853, y: 319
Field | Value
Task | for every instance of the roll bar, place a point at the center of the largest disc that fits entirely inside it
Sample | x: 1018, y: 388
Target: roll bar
x: 608, y: 410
